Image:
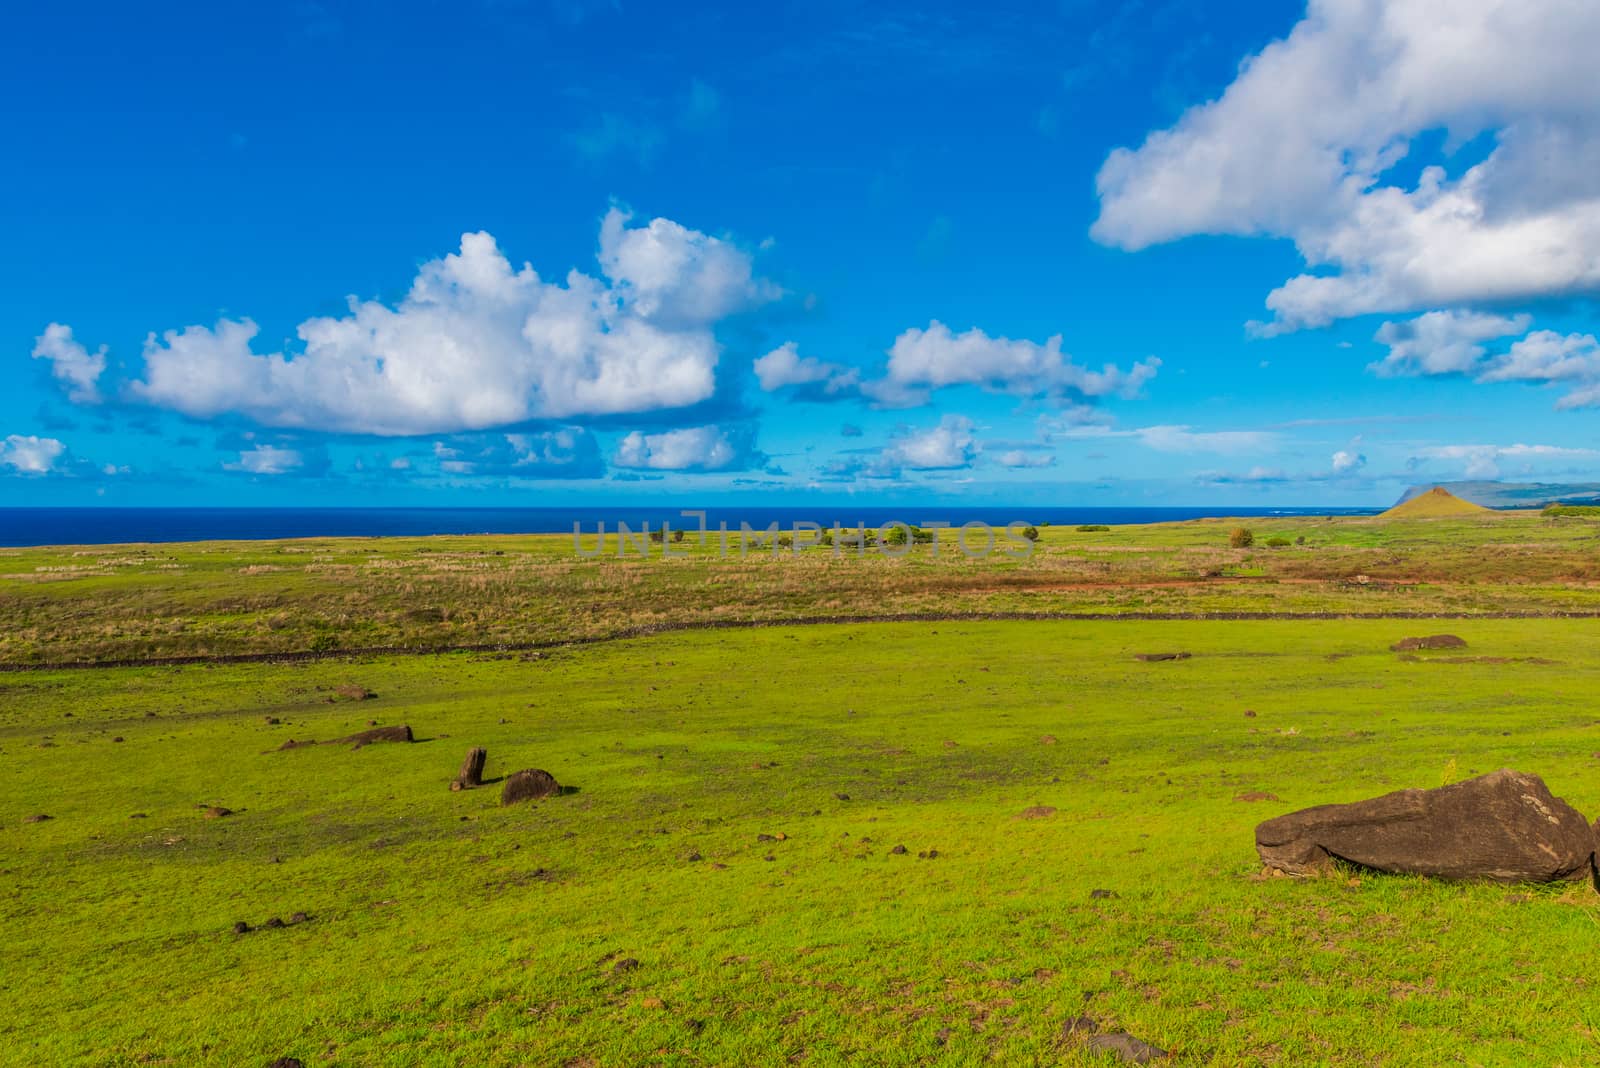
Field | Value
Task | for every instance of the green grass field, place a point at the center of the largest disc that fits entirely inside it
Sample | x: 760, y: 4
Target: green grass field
x: 446, y: 930
x: 140, y: 601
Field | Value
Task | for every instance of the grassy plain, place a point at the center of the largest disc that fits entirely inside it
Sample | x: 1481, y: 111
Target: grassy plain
x: 118, y: 602
x: 444, y: 929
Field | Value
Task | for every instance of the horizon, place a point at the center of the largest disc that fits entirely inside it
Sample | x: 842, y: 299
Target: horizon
x: 606, y: 257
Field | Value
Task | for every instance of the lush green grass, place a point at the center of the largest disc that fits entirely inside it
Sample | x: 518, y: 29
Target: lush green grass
x: 446, y: 930
x: 118, y: 602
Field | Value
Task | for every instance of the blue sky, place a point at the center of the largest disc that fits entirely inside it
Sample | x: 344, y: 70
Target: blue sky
x: 556, y: 253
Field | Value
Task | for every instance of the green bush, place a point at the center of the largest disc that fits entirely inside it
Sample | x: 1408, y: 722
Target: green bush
x: 1093, y: 528
x: 1242, y: 538
x: 1572, y: 511
x: 1278, y: 541
x: 1031, y: 533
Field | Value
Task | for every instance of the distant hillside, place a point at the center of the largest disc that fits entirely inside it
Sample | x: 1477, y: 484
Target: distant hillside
x: 1436, y: 503
x: 1515, y: 494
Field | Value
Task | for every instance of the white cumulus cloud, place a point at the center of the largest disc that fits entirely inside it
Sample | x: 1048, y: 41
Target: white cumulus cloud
x: 700, y: 448
x: 1301, y: 145
x: 1442, y: 342
x: 74, y: 366
x: 924, y: 360
x: 30, y: 455
x: 784, y: 367
x: 944, y: 447
x: 479, y: 344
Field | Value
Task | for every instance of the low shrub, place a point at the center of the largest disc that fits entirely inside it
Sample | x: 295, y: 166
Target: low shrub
x: 1242, y: 538
x: 1093, y: 528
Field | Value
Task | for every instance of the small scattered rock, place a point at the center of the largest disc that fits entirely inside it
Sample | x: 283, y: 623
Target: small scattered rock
x: 216, y: 812
x: 1249, y: 713
x: 287, y: 1062
x: 137, y: 816
x: 841, y: 797
x: 1103, y: 895
x: 118, y: 738
x: 931, y: 854
x: 692, y: 857
x: 273, y: 923
x: 626, y: 964
x: 1130, y: 1049
x: 949, y: 744
x: 1256, y: 795
x: 899, y: 851
x: 1048, y: 739
x: 530, y: 784
x: 241, y: 928
x: 1037, y: 812
x: 299, y: 917
x: 273, y: 721
x: 1079, y: 1026
x: 40, y: 818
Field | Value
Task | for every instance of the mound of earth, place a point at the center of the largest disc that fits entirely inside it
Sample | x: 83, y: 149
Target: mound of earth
x: 1502, y: 827
x: 528, y: 785
x: 1437, y: 503
x: 1432, y: 641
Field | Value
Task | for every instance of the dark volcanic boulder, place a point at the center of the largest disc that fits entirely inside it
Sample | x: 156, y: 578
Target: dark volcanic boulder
x: 528, y: 785
x: 1504, y: 826
x: 471, y: 773
x: 379, y: 734
x: 1432, y: 641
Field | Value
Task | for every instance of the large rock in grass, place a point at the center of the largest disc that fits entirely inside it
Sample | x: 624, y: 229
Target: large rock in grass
x: 1432, y: 641
x: 401, y: 733
x: 471, y: 773
x: 1504, y: 827
x: 529, y: 784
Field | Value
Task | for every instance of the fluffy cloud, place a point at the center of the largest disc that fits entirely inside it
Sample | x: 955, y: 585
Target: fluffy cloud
x: 570, y: 452
x: 30, y: 455
x: 1545, y: 356
x: 1455, y: 343
x: 1483, y: 461
x: 807, y: 376
x: 1301, y: 143
x: 1442, y: 342
x: 476, y: 344
x: 1026, y: 458
x: 701, y: 448
x: 266, y: 460
x: 924, y: 360
x: 74, y: 366
x: 1347, y: 462
x: 948, y: 446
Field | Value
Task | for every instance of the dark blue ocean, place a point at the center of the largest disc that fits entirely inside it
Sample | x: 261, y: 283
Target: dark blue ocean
x: 108, y: 526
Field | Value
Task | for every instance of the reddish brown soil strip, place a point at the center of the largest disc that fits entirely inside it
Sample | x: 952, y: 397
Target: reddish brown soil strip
x: 651, y: 629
